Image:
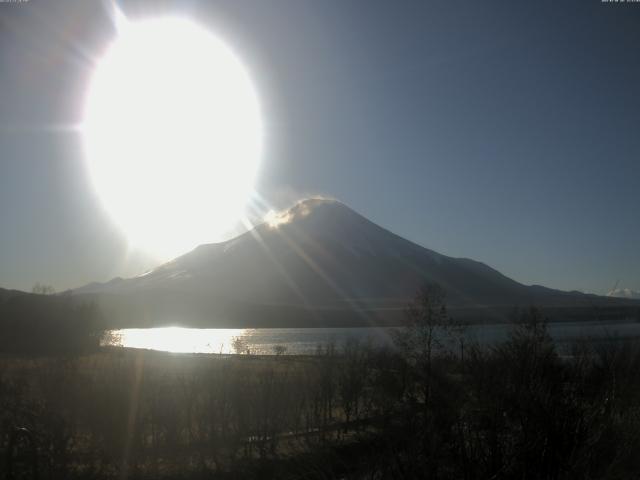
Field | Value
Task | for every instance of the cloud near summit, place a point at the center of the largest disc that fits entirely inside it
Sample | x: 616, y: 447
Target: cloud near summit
x: 299, y: 209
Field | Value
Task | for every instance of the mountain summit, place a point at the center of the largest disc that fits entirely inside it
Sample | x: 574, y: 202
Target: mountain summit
x: 317, y: 263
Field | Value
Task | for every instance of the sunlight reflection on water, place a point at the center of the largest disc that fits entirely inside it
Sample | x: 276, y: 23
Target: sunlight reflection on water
x: 259, y: 341
x: 305, y: 341
x: 179, y: 339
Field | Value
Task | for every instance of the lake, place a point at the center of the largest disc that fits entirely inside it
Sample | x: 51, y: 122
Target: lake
x: 304, y: 341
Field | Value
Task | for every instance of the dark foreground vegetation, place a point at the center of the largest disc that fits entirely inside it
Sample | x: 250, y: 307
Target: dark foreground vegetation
x: 429, y: 408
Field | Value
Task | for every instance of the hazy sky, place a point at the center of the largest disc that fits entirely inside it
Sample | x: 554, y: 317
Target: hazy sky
x: 502, y: 131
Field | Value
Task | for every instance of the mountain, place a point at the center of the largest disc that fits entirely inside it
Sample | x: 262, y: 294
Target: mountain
x: 318, y: 263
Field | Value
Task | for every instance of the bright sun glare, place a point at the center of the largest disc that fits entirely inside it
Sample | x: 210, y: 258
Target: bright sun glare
x: 173, y: 134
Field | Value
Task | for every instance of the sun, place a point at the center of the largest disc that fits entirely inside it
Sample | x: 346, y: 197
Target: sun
x: 172, y: 133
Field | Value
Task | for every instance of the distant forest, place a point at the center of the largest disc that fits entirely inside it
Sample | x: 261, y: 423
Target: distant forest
x: 44, y: 323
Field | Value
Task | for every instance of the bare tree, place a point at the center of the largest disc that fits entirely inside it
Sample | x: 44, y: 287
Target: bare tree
x: 279, y: 349
x: 352, y: 378
x: 42, y: 289
x: 240, y: 346
x: 419, y: 341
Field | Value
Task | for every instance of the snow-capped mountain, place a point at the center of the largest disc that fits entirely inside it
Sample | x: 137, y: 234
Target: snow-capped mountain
x: 624, y: 293
x: 318, y: 262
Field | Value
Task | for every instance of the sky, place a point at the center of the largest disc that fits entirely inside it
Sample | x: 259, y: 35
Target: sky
x: 500, y: 131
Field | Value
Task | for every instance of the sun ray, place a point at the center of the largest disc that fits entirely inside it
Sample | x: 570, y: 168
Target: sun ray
x: 285, y: 275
